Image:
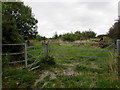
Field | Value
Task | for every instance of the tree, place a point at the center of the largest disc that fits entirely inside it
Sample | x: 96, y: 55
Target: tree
x: 19, y: 17
x: 17, y: 24
x: 68, y: 37
x: 88, y: 34
x: 40, y: 38
x: 114, y: 31
x: 55, y: 36
x: 78, y: 35
x: 102, y: 35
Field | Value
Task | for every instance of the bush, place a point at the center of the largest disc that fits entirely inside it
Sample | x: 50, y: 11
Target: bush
x: 6, y: 59
x: 49, y: 60
x: 11, y: 58
x: 44, y: 62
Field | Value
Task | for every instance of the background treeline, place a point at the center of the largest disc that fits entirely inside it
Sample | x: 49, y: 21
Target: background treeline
x: 113, y: 34
x: 76, y: 36
x: 19, y: 24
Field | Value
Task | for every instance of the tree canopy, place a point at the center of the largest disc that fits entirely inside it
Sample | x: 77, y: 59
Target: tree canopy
x: 18, y: 22
x: 55, y: 35
x: 76, y: 36
x: 114, y: 31
x: 40, y: 38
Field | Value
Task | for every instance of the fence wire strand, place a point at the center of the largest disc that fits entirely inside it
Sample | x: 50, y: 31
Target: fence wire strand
x: 51, y: 48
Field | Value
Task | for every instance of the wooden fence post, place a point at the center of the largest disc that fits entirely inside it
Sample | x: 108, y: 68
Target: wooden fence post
x: 118, y: 57
x: 25, y: 54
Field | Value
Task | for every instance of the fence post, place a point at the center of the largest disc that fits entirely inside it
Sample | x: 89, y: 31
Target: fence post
x: 46, y: 49
x: 118, y: 57
x: 25, y: 54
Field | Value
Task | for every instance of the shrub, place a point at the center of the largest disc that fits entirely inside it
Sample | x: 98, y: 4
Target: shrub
x: 6, y: 59
x: 48, y: 60
x: 44, y: 62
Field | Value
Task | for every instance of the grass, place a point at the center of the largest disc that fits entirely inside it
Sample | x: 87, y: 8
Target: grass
x: 87, y: 80
x: 69, y: 52
x: 18, y: 78
x: 93, y: 73
x: 87, y: 68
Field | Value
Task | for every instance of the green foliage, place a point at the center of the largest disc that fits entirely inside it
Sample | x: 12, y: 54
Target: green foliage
x: 5, y: 60
x: 40, y: 38
x: 86, y: 68
x: 44, y: 62
x: 48, y: 60
x: 17, y: 22
x: 85, y: 75
x: 114, y: 31
x: 88, y: 34
x: 68, y: 37
x: 108, y: 41
x: 92, y: 59
x: 10, y: 34
x: 102, y: 35
x: 107, y: 84
x: 76, y: 36
x: 55, y: 36
x: 18, y: 78
x: 87, y: 80
x: 40, y: 84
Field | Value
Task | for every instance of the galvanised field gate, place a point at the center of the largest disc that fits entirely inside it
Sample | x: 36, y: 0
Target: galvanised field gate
x: 68, y: 52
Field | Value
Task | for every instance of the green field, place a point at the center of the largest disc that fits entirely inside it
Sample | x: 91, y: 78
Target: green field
x: 70, y: 52
x: 77, y: 66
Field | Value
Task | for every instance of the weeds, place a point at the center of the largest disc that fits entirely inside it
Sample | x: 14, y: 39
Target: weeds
x: 18, y: 78
x: 84, y: 68
x: 44, y: 62
x: 87, y: 80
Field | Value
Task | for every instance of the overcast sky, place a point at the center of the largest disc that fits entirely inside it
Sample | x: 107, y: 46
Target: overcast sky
x: 64, y: 16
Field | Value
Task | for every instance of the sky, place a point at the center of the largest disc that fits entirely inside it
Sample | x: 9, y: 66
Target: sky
x: 63, y: 16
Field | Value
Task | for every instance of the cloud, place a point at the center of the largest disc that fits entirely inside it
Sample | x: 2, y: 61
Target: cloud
x: 63, y: 17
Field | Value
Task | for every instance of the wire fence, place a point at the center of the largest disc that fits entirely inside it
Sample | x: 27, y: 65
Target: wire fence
x: 66, y: 51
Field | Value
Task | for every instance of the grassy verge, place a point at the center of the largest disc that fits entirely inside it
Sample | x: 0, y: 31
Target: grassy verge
x: 18, y: 78
x: 87, y: 80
